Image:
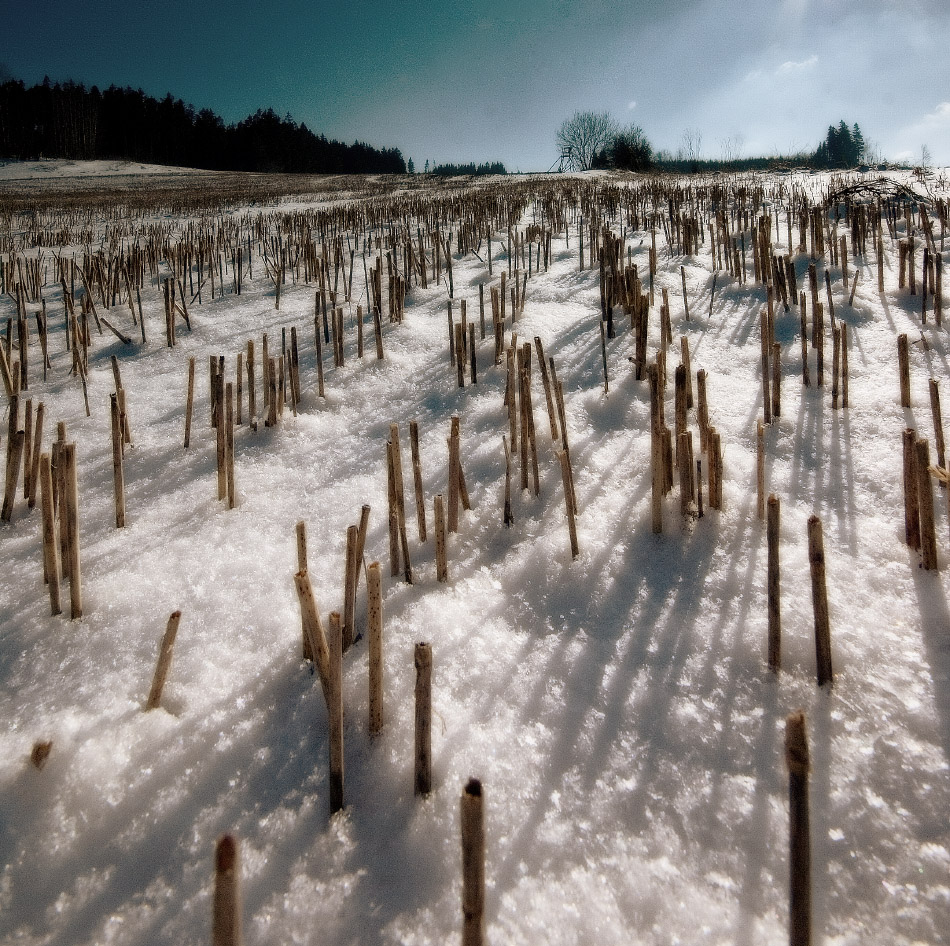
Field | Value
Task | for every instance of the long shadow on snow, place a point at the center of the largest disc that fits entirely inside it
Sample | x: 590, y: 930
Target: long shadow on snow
x: 662, y: 603
x: 934, y: 621
x: 134, y: 841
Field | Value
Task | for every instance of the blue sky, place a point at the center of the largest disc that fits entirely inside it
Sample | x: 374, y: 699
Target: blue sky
x: 446, y: 80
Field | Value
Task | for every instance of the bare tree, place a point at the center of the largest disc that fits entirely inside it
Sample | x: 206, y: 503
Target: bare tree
x: 730, y: 148
x: 692, y: 144
x: 583, y: 136
x: 872, y: 152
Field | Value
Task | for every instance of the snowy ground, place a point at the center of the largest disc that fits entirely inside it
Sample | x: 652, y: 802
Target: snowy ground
x: 617, y: 707
x: 62, y: 167
x: 60, y: 179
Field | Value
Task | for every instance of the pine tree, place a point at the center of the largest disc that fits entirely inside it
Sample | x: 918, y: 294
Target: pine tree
x: 846, y: 144
x: 859, y: 144
x: 842, y: 147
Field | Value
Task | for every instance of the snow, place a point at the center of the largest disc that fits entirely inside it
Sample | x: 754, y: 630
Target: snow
x: 64, y: 168
x: 617, y: 707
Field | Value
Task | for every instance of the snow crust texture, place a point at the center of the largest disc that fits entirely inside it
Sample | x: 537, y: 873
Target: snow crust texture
x: 617, y: 707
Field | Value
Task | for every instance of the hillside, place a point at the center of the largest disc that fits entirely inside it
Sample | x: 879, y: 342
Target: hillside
x: 617, y: 706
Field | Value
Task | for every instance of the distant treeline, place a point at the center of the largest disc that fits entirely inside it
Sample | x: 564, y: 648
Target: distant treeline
x: 594, y: 140
x: 843, y: 147
x: 674, y: 164
x: 456, y: 170
x: 66, y: 120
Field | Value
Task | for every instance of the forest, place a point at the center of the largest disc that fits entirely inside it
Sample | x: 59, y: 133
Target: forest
x: 68, y: 120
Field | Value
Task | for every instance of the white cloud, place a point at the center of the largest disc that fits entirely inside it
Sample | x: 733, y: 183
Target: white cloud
x: 792, y: 66
x: 931, y: 129
x: 939, y: 117
x: 632, y: 104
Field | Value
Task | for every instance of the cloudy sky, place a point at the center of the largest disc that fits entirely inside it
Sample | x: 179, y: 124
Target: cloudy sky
x: 450, y: 80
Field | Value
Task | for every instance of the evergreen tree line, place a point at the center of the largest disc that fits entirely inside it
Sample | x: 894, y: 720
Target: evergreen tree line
x: 842, y: 147
x: 456, y: 170
x: 67, y: 120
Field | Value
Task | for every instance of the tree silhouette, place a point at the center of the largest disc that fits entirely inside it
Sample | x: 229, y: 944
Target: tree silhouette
x: 842, y: 147
x: 66, y: 120
x: 583, y: 136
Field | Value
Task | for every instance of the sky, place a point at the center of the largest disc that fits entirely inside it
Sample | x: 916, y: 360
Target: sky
x: 492, y: 80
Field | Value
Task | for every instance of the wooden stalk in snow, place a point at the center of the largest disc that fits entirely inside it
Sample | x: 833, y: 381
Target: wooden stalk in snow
x: 685, y: 469
x: 473, y: 864
x: 938, y: 424
x: 774, y: 588
x: 375, y: 632
x: 226, y: 921
x: 315, y: 644
x: 911, y: 512
x: 417, y: 479
x: 251, y: 388
x: 350, y: 579
x: 335, y: 705
x: 118, y: 475
x: 14, y: 454
x: 71, y: 481
x: 393, y: 509
x: 441, y: 564
x: 702, y: 409
x: 221, y: 449
x: 164, y: 662
x: 27, y: 447
x: 546, y: 382
x: 568, y: 505
x: 776, y: 380
x: 301, y: 532
x: 50, y: 551
x: 454, y: 469
x: 903, y: 364
x: 423, y: 756
x: 798, y: 763
x: 190, y: 401
x: 819, y: 594
x: 925, y: 506
x: 229, y: 443
x: 656, y: 450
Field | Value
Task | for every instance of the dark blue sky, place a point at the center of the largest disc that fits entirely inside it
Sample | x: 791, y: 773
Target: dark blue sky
x: 446, y: 80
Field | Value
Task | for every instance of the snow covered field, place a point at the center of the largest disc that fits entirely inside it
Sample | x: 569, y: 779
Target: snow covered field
x: 79, y: 171
x: 617, y: 707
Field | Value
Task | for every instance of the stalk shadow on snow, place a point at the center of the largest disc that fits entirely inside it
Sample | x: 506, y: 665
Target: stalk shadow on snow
x: 139, y: 859
x: 755, y: 834
x: 934, y: 621
x: 745, y: 660
x: 662, y: 605
x: 808, y: 457
x: 843, y: 468
x: 821, y: 729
